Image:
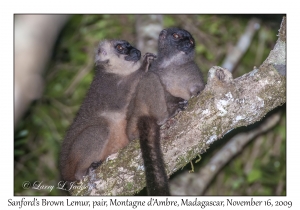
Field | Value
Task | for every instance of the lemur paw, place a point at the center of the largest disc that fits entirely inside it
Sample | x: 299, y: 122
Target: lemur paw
x: 95, y: 165
x: 149, y: 57
x: 182, y: 105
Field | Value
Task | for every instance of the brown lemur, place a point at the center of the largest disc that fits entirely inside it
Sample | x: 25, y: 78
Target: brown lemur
x: 172, y: 79
x: 99, y: 128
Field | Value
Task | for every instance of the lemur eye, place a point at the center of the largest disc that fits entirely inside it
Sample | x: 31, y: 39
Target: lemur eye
x: 176, y: 36
x: 119, y: 47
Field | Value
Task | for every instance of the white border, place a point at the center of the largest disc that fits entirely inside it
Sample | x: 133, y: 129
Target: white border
x: 8, y: 8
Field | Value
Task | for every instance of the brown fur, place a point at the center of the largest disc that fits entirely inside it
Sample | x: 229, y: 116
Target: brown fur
x: 99, y: 127
x: 172, y: 79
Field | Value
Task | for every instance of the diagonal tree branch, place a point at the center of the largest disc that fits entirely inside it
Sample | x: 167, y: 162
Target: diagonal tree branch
x: 233, y: 58
x: 192, y: 184
x: 225, y: 104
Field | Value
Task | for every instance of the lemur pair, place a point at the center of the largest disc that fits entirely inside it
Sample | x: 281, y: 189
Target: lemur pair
x: 129, y: 100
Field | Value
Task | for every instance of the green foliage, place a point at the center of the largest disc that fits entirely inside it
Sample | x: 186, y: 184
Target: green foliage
x: 169, y: 21
x: 254, y: 175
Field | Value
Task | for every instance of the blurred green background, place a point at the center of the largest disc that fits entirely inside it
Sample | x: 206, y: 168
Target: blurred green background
x: 39, y: 134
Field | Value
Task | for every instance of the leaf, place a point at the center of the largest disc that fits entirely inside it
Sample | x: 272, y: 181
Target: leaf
x: 253, y: 176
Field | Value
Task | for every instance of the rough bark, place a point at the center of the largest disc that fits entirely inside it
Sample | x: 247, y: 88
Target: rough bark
x: 191, y: 183
x: 225, y: 104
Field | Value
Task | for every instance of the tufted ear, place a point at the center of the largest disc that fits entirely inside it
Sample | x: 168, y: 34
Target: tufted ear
x: 163, y: 34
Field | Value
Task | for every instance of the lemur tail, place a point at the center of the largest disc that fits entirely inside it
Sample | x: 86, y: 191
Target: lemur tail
x: 156, y: 176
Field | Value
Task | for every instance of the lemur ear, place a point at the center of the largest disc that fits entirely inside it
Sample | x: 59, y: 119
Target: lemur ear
x: 163, y: 34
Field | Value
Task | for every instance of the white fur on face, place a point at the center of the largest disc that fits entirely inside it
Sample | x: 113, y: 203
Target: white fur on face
x: 117, y: 63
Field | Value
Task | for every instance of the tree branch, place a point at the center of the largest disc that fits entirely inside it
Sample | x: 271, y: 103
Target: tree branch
x: 225, y: 104
x: 148, y: 28
x: 236, y: 54
x: 191, y: 184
